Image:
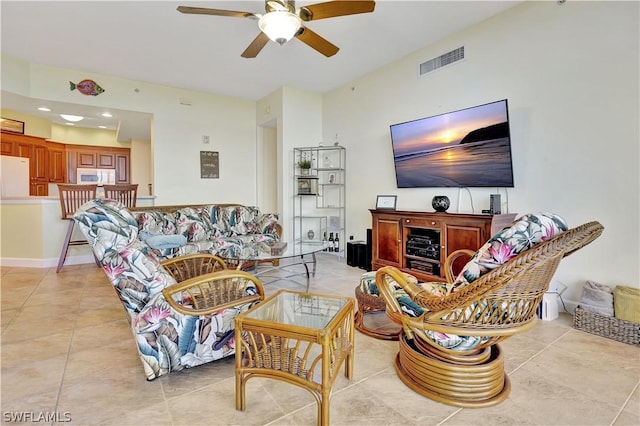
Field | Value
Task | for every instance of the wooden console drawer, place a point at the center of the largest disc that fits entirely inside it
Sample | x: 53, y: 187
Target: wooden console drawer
x: 421, y: 223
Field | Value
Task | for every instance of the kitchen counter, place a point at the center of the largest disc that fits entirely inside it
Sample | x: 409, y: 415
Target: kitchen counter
x: 32, y: 232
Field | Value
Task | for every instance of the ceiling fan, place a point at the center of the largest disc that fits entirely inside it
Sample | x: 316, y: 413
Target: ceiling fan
x: 282, y: 21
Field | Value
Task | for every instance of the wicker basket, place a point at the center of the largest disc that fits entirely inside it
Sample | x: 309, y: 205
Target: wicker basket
x: 609, y: 327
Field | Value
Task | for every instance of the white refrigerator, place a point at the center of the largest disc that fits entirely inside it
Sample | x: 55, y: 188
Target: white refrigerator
x: 14, y: 176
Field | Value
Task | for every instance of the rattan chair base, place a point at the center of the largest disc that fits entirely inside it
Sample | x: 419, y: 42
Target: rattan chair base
x: 469, y: 386
x: 367, y: 305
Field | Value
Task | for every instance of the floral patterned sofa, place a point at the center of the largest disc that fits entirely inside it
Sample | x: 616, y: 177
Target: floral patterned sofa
x: 221, y: 229
x: 171, y: 329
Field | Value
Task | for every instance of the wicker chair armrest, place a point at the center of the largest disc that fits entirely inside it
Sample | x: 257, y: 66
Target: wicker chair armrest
x: 279, y: 229
x: 213, y: 292
x: 450, y: 260
x: 189, y: 266
x: 388, y: 293
x: 419, y: 326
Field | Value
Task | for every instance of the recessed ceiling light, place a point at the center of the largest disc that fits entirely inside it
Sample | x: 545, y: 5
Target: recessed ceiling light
x: 73, y: 118
x: 102, y: 127
x: 106, y: 115
x: 45, y: 109
x: 69, y: 124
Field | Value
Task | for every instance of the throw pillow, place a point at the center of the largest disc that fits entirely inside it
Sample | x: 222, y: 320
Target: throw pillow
x: 526, y: 232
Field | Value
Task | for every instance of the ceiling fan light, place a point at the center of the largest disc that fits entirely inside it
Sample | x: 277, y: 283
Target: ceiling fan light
x: 280, y: 26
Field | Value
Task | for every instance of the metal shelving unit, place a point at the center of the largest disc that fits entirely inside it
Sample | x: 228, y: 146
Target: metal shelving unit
x: 319, y: 194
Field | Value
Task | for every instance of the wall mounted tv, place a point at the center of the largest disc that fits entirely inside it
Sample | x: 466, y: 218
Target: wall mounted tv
x: 469, y: 147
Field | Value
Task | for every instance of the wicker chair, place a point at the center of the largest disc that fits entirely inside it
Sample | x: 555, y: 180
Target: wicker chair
x: 189, y: 266
x: 71, y: 198
x: 126, y: 194
x: 491, y: 308
x: 214, y: 292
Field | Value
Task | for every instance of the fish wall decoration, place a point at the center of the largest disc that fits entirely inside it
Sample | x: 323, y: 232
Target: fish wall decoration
x: 86, y: 87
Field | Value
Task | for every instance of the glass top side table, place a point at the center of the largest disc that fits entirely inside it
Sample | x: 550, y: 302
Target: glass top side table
x: 299, y: 338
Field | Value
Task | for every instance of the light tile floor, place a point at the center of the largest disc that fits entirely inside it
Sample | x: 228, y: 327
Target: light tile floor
x: 66, y: 349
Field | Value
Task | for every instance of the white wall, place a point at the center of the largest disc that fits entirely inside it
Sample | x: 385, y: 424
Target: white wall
x: 298, y: 117
x: 570, y: 74
x: 141, y: 166
x: 176, y: 133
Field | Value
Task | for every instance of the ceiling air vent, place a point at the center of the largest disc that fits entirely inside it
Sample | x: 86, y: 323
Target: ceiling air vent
x: 441, y: 61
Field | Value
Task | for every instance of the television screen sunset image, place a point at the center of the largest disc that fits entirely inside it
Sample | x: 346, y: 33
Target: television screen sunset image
x: 469, y: 147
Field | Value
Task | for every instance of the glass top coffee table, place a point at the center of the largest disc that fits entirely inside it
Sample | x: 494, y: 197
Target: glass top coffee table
x: 298, y: 338
x: 295, y: 253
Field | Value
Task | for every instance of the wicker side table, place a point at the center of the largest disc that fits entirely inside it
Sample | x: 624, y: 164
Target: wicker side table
x: 299, y: 338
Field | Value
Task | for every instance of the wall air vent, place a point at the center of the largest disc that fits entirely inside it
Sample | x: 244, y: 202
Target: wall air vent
x: 441, y: 61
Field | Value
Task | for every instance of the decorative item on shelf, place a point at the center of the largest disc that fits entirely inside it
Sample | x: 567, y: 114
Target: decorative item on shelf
x: 336, y: 143
x: 305, y: 167
x: 332, y: 178
x: 440, y: 203
x: 310, y: 234
x: 307, y: 186
x: 304, y: 162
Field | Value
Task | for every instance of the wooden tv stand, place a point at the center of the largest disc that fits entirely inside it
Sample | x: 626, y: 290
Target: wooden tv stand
x: 418, y: 242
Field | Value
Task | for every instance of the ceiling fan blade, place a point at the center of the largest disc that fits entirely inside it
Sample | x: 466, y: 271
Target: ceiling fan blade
x: 330, y: 9
x: 317, y: 42
x: 256, y: 46
x: 218, y: 12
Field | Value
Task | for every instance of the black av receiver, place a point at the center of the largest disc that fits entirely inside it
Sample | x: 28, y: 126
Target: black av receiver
x: 422, y: 246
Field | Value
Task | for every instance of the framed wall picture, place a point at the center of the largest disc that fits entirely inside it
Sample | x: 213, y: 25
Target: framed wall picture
x: 209, y: 165
x: 13, y: 126
x: 386, y: 202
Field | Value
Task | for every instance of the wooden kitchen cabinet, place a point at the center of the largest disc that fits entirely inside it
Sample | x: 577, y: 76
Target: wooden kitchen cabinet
x: 35, y: 149
x: 98, y: 157
x: 123, y: 174
x: 40, y: 170
x: 418, y: 242
x: 86, y: 159
x: 106, y: 160
x: 6, y: 147
x: 57, y: 162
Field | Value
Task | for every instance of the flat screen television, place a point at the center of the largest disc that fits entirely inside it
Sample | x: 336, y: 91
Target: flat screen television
x: 470, y: 147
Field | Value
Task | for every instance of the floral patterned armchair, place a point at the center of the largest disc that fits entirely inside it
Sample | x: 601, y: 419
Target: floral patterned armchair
x: 175, y: 325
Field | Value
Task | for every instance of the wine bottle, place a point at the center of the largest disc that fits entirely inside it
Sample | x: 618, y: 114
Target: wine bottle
x: 336, y: 243
x: 330, y: 242
x: 324, y: 240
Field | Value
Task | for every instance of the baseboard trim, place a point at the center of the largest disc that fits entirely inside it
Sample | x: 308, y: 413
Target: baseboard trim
x: 21, y: 262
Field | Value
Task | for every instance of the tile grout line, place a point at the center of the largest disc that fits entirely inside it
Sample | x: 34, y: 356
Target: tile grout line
x: 522, y: 364
x: 624, y: 404
x: 539, y: 352
x: 66, y: 360
x: 349, y: 386
x: 21, y: 308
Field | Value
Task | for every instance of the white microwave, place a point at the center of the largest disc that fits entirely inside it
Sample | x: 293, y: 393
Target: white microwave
x: 96, y: 176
